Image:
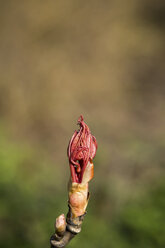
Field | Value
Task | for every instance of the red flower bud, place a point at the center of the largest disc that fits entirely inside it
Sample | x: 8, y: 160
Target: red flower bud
x: 81, y: 150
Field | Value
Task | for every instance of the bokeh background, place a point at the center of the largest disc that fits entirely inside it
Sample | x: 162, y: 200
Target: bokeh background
x: 105, y: 60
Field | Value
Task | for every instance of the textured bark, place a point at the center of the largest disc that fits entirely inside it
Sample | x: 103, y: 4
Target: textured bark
x: 72, y: 228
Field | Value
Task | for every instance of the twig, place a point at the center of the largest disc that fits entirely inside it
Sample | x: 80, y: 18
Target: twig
x: 72, y: 228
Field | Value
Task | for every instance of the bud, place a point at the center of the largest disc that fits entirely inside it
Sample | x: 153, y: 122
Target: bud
x: 60, y: 224
x: 81, y: 150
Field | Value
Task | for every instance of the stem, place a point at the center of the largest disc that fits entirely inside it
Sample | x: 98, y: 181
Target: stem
x: 73, y: 226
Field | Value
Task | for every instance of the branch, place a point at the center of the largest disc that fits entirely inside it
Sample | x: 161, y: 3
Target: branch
x: 65, y: 231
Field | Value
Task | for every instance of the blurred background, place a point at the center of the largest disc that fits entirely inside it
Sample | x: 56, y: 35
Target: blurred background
x: 105, y: 60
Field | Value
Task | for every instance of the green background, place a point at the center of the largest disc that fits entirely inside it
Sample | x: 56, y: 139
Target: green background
x: 105, y: 60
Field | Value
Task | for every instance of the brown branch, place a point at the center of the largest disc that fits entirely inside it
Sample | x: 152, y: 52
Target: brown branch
x: 65, y: 231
